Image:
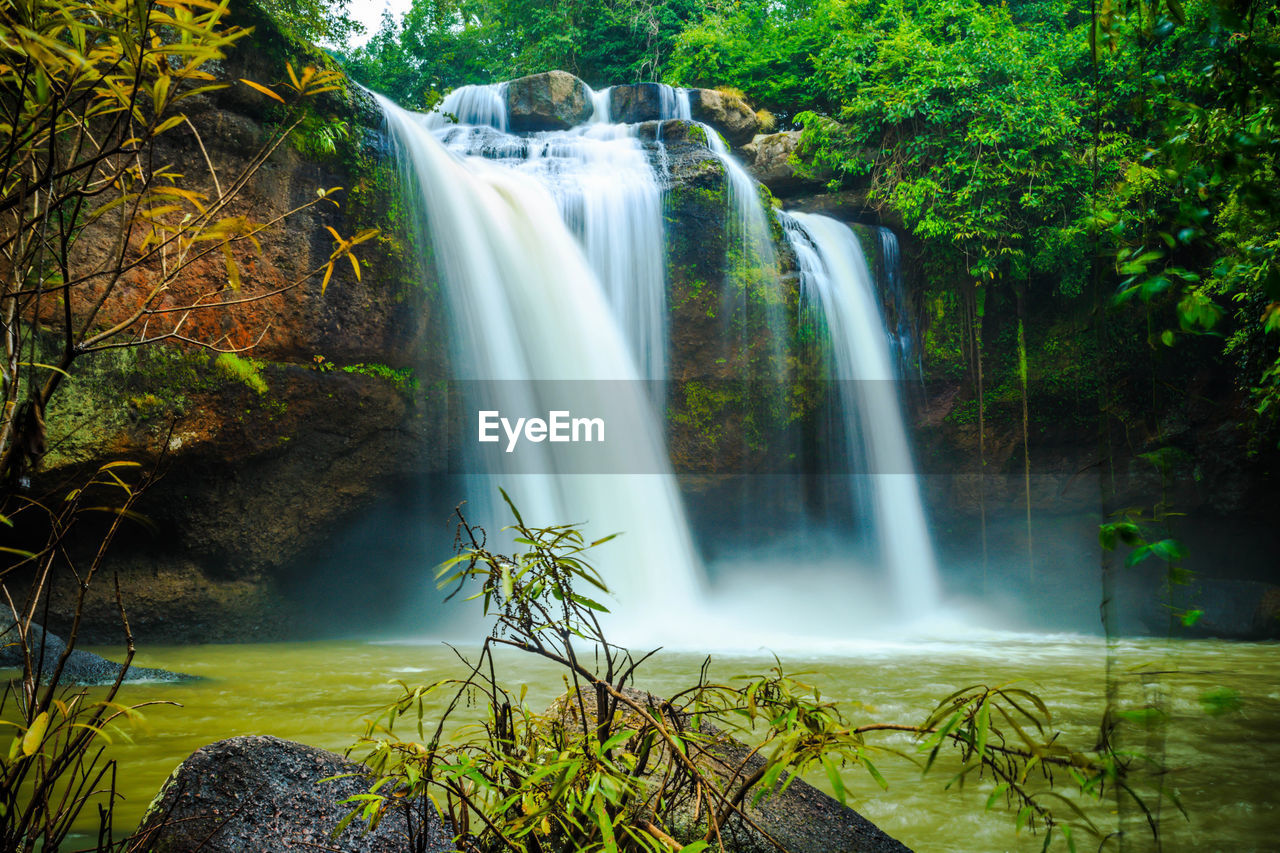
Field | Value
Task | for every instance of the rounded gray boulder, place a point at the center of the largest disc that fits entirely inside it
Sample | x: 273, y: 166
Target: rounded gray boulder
x: 553, y: 100
x: 266, y: 794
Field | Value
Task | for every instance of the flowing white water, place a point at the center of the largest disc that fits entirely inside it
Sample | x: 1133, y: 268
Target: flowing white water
x: 901, y: 337
x: 751, y: 260
x: 531, y: 304
x: 749, y: 220
x: 674, y: 103
x: 604, y: 185
x: 835, y: 279
x: 600, y: 103
x: 477, y: 105
x: 525, y: 306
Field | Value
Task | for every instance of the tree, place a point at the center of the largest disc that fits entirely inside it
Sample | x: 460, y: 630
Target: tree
x: 1193, y: 227
x: 96, y: 229
x: 441, y: 44
x: 770, y: 51
x: 317, y: 21
x: 100, y: 233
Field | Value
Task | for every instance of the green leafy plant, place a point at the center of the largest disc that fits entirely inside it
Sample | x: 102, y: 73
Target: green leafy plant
x: 609, y: 767
x: 402, y: 378
x: 246, y: 370
x: 103, y: 246
x: 54, y: 768
x: 94, y: 91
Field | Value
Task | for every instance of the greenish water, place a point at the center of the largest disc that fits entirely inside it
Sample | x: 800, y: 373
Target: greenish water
x: 1223, y: 767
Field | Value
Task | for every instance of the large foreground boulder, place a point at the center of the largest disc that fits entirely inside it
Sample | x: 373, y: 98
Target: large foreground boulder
x: 800, y: 818
x: 266, y: 795
x: 553, y: 100
x: 81, y: 668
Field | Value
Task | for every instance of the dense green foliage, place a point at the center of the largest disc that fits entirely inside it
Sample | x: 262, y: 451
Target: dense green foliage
x: 1044, y: 155
x: 771, y: 51
x: 442, y: 44
x: 324, y: 21
x: 1040, y: 154
x: 965, y: 130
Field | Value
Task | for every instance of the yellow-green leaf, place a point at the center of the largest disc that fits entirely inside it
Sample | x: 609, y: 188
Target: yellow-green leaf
x: 263, y: 89
x: 167, y: 124
x: 35, y: 734
x: 160, y: 92
x: 233, y: 271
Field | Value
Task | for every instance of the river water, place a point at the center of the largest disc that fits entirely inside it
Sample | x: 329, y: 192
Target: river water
x: 1222, y: 766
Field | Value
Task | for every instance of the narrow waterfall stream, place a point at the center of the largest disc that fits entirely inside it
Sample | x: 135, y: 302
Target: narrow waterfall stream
x: 836, y: 280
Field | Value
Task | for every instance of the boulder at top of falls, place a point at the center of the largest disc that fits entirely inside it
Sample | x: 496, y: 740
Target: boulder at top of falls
x: 768, y: 159
x: 726, y: 112
x: 264, y: 793
x: 553, y: 100
x: 636, y: 102
x: 81, y: 667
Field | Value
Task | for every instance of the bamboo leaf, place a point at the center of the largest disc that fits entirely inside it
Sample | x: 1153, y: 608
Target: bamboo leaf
x: 263, y: 89
x: 233, y: 271
x: 833, y: 776
x: 995, y: 795
x: 875, y: 774
x: 168, y: 124
x: 35, y: 734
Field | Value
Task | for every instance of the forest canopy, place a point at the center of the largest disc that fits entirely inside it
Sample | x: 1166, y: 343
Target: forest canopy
x: 1118, y: 158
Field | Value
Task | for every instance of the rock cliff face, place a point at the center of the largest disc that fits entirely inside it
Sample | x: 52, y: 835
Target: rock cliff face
x: 260, y: 453
x: 265, y: 454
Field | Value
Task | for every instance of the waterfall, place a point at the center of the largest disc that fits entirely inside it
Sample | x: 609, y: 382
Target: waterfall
x: 530, y: 317
x: 836, y: 282
x: 476, y: 105
x: 903, y: 339
x: 674, y: 103
x: 600, y: 105
x: 607, y: 193
x: 748, y: 219
x: 551, y: 251
x: 751, y: 259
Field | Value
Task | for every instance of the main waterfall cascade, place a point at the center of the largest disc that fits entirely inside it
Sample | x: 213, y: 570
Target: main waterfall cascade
x: 526, y: 308
x: 551, y: 251
x: 600, y: 177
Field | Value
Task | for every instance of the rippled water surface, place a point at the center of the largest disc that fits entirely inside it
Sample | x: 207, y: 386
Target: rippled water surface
x: 1223, y: 767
